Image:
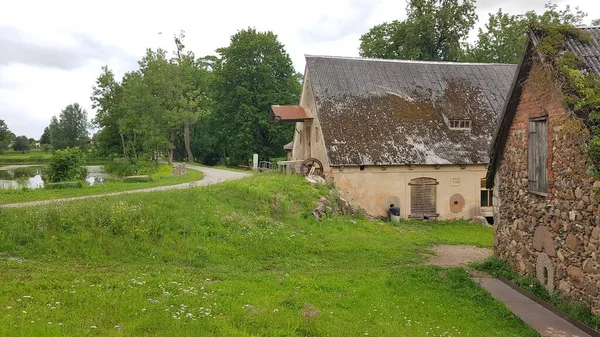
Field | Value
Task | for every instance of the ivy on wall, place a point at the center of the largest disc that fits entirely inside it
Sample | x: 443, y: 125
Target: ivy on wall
x: 580, y: 87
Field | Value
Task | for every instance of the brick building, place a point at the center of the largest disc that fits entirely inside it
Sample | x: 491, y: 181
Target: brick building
x: 547, y: 217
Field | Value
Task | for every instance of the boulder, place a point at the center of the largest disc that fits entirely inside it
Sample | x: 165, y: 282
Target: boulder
x: 543, y: 242
x: 575, y: 275
x: 480, y: 220
x: 572, y: 242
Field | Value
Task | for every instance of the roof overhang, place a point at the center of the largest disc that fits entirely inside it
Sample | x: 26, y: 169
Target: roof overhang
x: 289, y: 113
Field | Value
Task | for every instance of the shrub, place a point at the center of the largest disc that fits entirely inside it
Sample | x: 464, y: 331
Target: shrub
x: 66, y: 165
x: 124, y: 167
x: 63, y: 185
x: 136, y: 179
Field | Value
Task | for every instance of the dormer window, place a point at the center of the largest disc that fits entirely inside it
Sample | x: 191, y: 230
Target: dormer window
x: 459, y: 124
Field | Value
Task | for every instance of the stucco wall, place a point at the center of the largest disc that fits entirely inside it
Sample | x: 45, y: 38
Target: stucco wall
x: 559, y: 234
x: 374, y: 189
x: 308, y: 139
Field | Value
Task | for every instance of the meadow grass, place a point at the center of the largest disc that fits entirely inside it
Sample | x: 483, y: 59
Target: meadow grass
x: 39, y: 157
x: 163, y: 177
x: 244, y: 258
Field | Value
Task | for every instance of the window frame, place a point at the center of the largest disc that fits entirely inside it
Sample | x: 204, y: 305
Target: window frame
x: 489, y: 192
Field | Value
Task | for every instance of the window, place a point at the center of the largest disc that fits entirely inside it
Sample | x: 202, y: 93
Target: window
x: 423, y: 198
x: 457, y: 124
x: 538, y: 156
x: 486, y: 195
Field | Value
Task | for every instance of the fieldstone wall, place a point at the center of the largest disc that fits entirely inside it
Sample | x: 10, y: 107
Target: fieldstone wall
x: 554, y: 237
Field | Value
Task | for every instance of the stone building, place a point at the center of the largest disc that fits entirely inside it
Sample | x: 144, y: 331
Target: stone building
x: 547, y: 216
x: 415, y: 134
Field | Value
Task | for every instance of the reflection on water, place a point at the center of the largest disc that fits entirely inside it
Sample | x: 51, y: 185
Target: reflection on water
x: 31, y: 176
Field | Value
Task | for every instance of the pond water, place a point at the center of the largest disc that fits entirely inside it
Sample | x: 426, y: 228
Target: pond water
x: 31, y: 176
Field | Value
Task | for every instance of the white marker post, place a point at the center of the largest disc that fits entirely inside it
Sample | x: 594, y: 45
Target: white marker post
x: 255, y: 161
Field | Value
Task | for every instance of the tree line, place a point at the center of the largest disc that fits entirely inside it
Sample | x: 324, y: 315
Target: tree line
x: 437, y: 30
x: 211, y: 109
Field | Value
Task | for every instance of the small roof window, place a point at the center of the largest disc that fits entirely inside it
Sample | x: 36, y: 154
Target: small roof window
x: 459, y: 124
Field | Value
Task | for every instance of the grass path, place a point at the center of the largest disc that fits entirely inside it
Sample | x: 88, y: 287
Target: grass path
x: 211, y: 176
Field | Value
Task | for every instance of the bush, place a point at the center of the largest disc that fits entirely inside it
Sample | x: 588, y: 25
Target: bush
x: 63, y: 185
x: 124, y: 167
x: 66, y: 165
x: 136, y: 179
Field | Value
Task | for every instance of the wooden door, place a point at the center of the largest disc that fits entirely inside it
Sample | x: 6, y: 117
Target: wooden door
x: 423, y: 198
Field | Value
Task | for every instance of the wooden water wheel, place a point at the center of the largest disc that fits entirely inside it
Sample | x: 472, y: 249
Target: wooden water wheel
x: 311, y: 166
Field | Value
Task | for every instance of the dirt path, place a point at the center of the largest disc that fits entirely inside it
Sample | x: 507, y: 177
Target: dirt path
x: 211, y: 176
x: 458, y: 256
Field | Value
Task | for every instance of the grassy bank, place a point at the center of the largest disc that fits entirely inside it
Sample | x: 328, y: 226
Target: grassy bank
x: 498, y: 268
x: 35, y: 157
x: 243, y: 258
x: 161, y: 178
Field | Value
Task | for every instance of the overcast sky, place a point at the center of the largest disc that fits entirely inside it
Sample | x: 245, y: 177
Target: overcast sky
x: 51, y: 51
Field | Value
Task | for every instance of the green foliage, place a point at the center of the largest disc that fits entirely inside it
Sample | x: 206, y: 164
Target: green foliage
x: 163, y: 177
x: 66, y: 165
x: 123, y: 167
x: 70, y: 129
x: 242, y: 259
x: 63, y: 185
x: 5, y: 136
x: 137, y: 179
x: 596, y: 22
x: 21, y: 144
x: 504, y: 36
x: 433, y: 30
x: 255, y: 72
x: 581, y: 88
x: 498, y: 268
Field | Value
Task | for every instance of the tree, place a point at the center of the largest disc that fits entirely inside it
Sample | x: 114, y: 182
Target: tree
x: 433, y: 30
x: 5, y: 136
x: 191, y: 95
x: 596, y: 22
x: 106, y: 99
x: 504, y: 36
x: 254, y: 72
x: 45, y: 138
x: 70, y: 129
x: 21, y: 144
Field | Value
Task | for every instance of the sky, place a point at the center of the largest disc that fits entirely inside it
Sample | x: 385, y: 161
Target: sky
x: 51, y: 52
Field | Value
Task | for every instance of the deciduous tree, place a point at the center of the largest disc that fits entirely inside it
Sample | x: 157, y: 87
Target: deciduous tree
x: 433, y: 30
x: 21, y: 144
x: 255, y: 73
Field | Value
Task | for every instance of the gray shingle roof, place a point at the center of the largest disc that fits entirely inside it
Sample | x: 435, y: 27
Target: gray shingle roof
x: 589, y: 52
x: 386, y: 112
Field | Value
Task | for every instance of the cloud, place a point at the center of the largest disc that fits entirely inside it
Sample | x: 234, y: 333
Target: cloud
x: 339, y: 23
x: 18, y: 49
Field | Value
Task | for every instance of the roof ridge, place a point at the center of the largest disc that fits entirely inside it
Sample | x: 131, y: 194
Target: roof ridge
x: 356, y: 58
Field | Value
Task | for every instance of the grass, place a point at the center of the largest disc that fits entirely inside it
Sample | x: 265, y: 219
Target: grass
x: 498, y: 268
x: 161, y: 178
x: 243, y: 258
x: 37, y: 157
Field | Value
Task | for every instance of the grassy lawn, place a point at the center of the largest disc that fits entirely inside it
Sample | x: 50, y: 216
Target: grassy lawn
x: 162, y: 178
x: 243, y: 258
x: 31, y: 157
x: 37, y: 157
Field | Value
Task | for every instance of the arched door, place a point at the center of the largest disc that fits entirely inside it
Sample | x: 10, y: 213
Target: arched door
x: 423, y: 198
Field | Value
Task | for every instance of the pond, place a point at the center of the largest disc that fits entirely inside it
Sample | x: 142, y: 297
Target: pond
x: 31, y: 176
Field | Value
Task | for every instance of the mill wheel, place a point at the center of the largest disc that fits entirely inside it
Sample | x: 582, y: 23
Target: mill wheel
x: 311, y: 166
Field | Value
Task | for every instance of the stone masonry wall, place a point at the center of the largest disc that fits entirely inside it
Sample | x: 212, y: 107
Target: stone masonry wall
x: 556, y: 237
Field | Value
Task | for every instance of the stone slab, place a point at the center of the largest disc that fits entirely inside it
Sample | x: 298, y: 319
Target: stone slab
x: 543, y: 320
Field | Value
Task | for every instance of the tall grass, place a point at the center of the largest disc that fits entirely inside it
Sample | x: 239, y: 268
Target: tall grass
x: 244, y: 258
